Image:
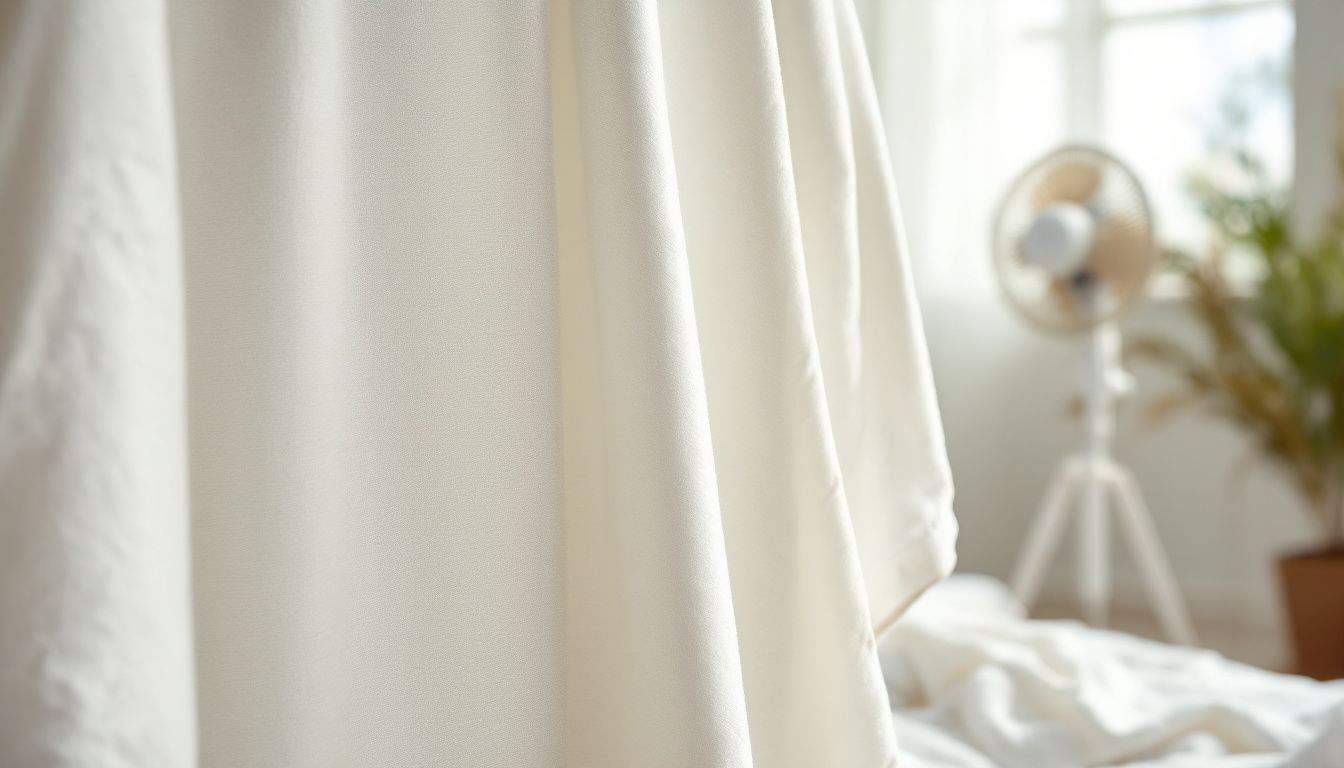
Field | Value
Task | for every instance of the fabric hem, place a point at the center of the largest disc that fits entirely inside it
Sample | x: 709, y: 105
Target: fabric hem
x: 925, y: 560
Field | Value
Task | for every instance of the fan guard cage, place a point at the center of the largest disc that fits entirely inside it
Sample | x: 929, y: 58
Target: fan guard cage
x: 1074, y: 305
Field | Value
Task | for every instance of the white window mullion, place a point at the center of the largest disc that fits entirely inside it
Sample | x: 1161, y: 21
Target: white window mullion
x: 1084, y: 28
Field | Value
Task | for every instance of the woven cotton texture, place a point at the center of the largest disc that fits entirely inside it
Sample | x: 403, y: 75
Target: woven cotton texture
x: 466, y: 384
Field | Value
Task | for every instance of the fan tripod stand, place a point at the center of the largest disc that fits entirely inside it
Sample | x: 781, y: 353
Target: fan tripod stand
x: 1093, y: 475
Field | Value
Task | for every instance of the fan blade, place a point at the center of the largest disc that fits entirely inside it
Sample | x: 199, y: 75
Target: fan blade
x: 1071, y: 181
x: 1121, y: 254
x: 1066, y: 299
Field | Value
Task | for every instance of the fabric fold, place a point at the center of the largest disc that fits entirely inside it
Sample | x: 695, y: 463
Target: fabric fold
x: 653, y: 648
x: 95, y: 616
x: 714, y: 153
x: 813, y: 687
x: 458, y: 384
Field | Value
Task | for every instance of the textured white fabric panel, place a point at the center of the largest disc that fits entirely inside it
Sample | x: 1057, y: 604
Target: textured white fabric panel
x: 704, y: 216
x: 654, y: 671
x: 374, y: 386
x: 508, y: 445
x: 95, y: 632
x: 896, y: 472
x: 812, y: 683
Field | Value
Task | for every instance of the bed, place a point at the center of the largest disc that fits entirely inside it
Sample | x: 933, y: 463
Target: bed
x: 973, y: 684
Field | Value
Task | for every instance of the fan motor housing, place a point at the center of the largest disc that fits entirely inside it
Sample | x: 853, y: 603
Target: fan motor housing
x: 1059, y: 239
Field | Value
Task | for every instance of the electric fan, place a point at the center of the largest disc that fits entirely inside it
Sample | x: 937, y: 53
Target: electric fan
x: 1073, y: 247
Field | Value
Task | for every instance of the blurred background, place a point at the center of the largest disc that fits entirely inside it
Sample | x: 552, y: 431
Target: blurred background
x: 972, y: 91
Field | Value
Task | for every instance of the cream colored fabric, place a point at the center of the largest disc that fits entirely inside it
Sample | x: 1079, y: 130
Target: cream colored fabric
x: 554, y: 387
x: 974, y: 684
x: 95, y: 603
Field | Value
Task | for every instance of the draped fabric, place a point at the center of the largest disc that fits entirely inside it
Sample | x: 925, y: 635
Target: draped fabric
x: 468, y: 384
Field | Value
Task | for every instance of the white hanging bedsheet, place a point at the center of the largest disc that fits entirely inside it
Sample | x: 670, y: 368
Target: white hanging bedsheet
x: 455, y: 383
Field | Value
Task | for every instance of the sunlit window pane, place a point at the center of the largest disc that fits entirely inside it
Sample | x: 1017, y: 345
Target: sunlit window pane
x: 1123, y: 8
x: 1039, y: 14
x: 1171, y: 88
x: 1032, y: 98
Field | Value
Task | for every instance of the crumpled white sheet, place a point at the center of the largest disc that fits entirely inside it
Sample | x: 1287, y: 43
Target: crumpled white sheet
x: 975, y: 685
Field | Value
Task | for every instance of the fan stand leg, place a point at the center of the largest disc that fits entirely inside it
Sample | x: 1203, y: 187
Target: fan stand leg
x: 1045, y: 532
x: 1094, y: 546
x: 1150, y: 558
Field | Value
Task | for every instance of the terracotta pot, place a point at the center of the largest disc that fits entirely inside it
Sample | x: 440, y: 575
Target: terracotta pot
x: 1313, y: 585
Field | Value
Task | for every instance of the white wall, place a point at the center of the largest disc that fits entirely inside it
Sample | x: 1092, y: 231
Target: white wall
x: 1222, y: 513
x: 1004, y: 392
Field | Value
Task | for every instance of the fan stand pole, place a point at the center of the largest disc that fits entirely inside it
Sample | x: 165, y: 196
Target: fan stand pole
x: 1094, y: 530
x: 1091, y: 476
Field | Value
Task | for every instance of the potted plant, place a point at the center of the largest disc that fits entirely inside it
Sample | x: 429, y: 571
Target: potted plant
x: 1273, y: 365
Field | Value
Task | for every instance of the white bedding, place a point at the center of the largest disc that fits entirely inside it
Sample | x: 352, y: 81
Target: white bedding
x: 974, y: 685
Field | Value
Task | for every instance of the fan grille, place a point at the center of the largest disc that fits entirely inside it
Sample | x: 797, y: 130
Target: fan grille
x: 1122, y: 255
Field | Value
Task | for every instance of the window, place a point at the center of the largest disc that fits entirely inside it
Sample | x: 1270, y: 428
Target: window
x: 1158, y: 82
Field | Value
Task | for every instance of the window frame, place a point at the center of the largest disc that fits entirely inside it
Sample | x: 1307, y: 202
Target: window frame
x: 1082, y: 33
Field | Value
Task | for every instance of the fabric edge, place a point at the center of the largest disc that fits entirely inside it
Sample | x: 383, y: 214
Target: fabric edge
x: 924, y: 560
